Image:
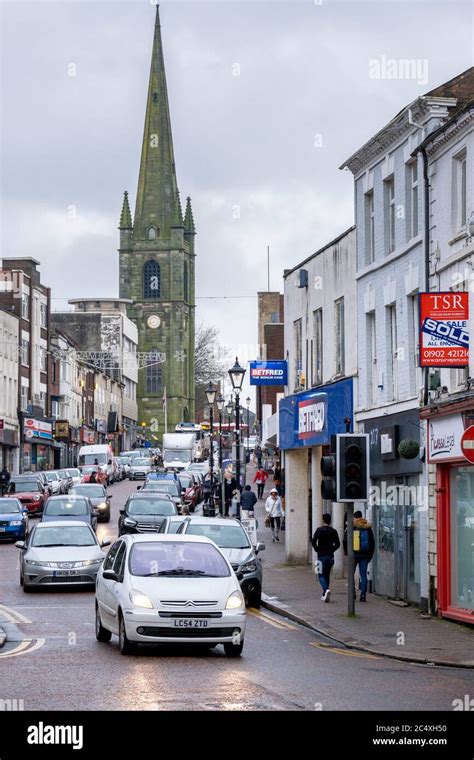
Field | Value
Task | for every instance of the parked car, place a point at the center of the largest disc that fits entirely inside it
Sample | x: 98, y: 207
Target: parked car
x: 75, y: 475
x: 140, y: 468
x: 171, y: 487
x: 41, y: 476
x: 169, y: 589
x: 124, y: 464
x: 192, y: 490
x: 146, y: 512
x: 30, y: 492
x: 13, y: 519
x: 66, y: 480
x: 67, y: 507
x: 60, y: 553
x: 173, y: 523
x: 55, y: 482
x: 98, y: 497
x: 87, y: 471
x: 233, y: 540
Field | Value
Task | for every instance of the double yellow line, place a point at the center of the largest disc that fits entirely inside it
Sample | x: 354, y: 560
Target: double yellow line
x: 280, y: 624
x: 344, y: 652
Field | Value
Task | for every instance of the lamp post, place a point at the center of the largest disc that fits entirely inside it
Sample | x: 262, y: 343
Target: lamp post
x: 248, y: 400
x: 236, y: 374
x: 220, y: 401
x: 211, y: 394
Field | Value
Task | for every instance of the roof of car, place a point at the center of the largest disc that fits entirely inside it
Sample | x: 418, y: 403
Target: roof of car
x: 158, y: 537
x: 61, y: 524
x: 68, y: 496
x: 212, y: 520
x: 158, y: 495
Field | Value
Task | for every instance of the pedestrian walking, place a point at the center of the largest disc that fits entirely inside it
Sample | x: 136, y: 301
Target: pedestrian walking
x: 230, y: 484
x: 185, y: 510
x: 260, y: 479
x: 93, y: 477
x: 274, y: 511
x: 364, y: 547
x: 248, y: 500
x: 259, y: 454
x: 325, y: 542
x: 277, y: 477
x: 4, y: 480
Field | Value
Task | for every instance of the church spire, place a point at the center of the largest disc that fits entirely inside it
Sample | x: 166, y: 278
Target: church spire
x: 157, y: 195
x: 189, y: 227
x: 125, y: 217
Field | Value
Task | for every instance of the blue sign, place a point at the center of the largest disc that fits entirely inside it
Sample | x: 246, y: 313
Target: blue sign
x: 268, y: 373
x: 310, y: 418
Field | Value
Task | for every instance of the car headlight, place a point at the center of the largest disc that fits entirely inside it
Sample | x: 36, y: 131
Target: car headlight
x: 15, y: 522
x: 89, y: 562
x: 235, y: 601
x: 102, y: 505
x: 40, y: 564
x: 36, y: 498
x: 249, y: 567
x: 138, y: 599
x: 129, y: 522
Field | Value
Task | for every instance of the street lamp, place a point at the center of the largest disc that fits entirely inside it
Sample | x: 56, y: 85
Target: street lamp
x: 220, y: 401
x: 211, y: 395
x: 248, y: 400
x: 236, y: 374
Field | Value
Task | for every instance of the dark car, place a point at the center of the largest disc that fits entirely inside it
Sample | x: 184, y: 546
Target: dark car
x: 13, y: 519
x: 76, y: 508
x: 29, y: 491
x: 170, y: 487
x: 41, y: 476
x: 146, y: 513
x: 98, y: 496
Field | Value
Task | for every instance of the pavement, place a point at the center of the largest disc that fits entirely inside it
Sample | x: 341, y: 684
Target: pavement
x: 381, y: 627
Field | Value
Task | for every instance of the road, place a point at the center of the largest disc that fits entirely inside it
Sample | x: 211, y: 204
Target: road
x: 52, y: 661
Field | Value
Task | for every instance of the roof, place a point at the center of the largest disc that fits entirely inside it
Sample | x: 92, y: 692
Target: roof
x: 156, y: 538
x: 444, y: 127
x: 61, y: 524
x: 198, y: 520
x: 287, y: 272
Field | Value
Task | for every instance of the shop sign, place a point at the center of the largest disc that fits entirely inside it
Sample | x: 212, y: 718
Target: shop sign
x: 444, y: 329
x: 444, y: 438
x: 61, y: 431
x: 33, y: 428
x: 268, y: 373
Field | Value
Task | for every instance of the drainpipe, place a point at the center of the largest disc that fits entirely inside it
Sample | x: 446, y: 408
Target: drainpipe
x: 426, y: 194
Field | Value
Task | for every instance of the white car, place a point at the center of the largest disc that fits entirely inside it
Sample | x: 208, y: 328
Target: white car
x: 75, y: 474
x: 140, y: 468
x: 54, y: 481
x: 169, y: 589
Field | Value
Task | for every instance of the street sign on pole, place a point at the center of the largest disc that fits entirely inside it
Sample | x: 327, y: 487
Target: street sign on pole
x: 467, y: 444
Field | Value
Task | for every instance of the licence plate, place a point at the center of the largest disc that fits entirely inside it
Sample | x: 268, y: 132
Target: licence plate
x: 3, y: 530
x: 57, y: 573
x: 189, y: 623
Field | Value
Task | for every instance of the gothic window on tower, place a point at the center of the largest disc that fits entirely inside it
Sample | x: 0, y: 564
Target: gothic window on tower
x: 185, y: 282
x: 154, y: 379
x: 151, y: 280
x: 152, y: 233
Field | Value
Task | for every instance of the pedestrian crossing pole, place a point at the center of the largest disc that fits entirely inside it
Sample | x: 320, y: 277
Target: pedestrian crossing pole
x: 350, y: 547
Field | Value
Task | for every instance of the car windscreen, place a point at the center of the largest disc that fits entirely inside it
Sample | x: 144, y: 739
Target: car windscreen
x: 62, y: 473
x: 73, y: 473
x: 90, y: 458
x: 225, y: 536
x: 177, y: 559
x: 76, y: 535
x: 141, y: 462
x: 151, y: 507
x: 167, y: 486
x: 17, y: 486
x: 93, y: 492
x: 51, y: 476
x: 7, y: 506
x: 186, y: 482
x: 179, y: 456
x: 66, y: 507
x: 174, y: 525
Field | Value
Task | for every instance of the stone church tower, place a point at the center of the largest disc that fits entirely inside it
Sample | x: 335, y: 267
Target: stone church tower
x: 157, y: 265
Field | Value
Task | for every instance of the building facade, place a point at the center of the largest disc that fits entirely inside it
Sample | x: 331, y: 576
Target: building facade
x: 157, y: 262
x: 9, y: 375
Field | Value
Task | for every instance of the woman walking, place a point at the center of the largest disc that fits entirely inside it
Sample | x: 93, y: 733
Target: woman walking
x: 260, y: 479
x: 274, y: 510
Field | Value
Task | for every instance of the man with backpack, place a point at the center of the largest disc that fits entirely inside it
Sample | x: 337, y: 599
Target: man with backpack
x: 364, y: 547
x: 325, y: 542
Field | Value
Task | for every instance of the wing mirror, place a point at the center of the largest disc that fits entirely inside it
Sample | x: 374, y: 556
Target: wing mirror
x: 122, y: 511
x: 259, y: 547
x: 109, y: 575
x: 20, y: 544
x: 106, y: 542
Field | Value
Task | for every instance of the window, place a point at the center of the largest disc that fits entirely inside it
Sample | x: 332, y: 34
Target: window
x: 298, y: 341
x: 109, y: 560
x: 55, y: 408
x: 372, y: 374
x: 392, y: 357
x: 154, y: 379
x: 151, y: 280
x: 25, y: 352
x: 24, y: 397
x: 43, y: 359
x: 25, y: 306
x: 318, y: 347
x: 151, y: 233
x: 339, y: 335
x: 43, y: 315
x: 459, y: 192
x: 413, y: 316
x: 185, y: 373
x: 369, y: 228
x: 412, y: 199
x: 389, y: 215
x: 43, y: 401
x: 185, y: 282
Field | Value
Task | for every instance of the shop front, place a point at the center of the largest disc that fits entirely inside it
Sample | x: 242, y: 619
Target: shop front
x: 37, y: 443
x: 398, y: 505
x: 451, y: 451
x: 307, y: 420
x: 8, y: 448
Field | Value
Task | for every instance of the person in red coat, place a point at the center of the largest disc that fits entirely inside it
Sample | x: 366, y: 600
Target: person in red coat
x: 260, y: 479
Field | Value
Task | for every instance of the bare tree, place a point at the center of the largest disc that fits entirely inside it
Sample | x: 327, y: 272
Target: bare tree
x: 211, y: 357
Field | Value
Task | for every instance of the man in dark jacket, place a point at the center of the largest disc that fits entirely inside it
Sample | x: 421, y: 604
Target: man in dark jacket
x: 364, y: 547
x: 4, y: 480
x: 325, y: 542
x: 248, y: 499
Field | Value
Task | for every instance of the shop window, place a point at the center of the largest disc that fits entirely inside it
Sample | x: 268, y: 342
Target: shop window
x: 462, y: 537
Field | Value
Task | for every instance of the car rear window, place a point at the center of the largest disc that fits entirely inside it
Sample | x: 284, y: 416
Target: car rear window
x: 94, y: 492
x: 225, y: 536
x: 151, y: 507
x: 66, y: 507
x: 177, y: 560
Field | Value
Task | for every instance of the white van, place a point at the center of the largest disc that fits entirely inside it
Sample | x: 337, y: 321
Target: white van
x: 103, y: 454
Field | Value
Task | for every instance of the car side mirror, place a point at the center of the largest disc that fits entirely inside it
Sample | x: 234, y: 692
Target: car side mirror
x: 24, y: 511
x: 109, y: 575
x: 183, y: 492
x: 106, y: 542
x: 95, y: 513
x: 240, y: 576
x: 138, y: 488
x: 20, y: 544
x: 122, y: 511
x: 109, y: 495
x: 259, y: 547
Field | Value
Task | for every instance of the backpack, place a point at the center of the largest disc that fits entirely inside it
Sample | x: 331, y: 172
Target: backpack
x: 361, y: 540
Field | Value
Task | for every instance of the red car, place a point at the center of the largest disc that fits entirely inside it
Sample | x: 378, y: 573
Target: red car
x: 30, y: 492
x: 86, y: 472
x: 193, y: 491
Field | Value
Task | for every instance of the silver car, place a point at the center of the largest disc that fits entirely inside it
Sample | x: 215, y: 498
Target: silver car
x: 140, y: 468
x: 234, y: 542
x: 98, y: 497
x: 60, y: 553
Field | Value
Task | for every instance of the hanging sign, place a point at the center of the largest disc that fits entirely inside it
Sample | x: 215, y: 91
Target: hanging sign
x: 444, y: 329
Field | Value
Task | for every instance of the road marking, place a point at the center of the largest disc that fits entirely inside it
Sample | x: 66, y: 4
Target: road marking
x: 12, y: 615
x: 24, y: 648
x: 345, y: 652
x: 281, y: 625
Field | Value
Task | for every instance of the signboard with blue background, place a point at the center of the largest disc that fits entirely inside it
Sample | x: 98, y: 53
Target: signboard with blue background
x: 311, y: 417
x: 268, y: 373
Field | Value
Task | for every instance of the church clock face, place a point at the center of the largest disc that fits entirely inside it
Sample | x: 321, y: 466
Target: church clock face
x: 153, y: 321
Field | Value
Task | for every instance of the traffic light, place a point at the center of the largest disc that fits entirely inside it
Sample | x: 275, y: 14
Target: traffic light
x: 352, y: 478
x: 328, y: 471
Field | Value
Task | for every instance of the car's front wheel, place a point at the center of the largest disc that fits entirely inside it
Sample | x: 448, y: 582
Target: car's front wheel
x: 254, y: 599
x: 125, y: 646
x: 101, y: 633
x: 233, y: 650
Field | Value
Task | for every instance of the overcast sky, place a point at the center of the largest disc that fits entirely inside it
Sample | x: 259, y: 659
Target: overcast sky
x: 267, y: 100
